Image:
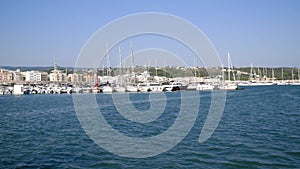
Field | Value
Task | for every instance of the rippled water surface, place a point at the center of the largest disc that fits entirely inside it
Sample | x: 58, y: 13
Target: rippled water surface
x: 260, y: 128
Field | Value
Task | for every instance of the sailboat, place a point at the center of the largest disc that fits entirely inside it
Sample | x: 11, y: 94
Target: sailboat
x: 228, y: 85
x: 273, y: 78
x: 96, y: 88
x: 119, y: 87
x: 295, y: 82
x: 107, y: 88
x: 131, y: 87
x: 258, y: 79
x: 204, y: 86
x: 193, y: 85
x: 282, y: 82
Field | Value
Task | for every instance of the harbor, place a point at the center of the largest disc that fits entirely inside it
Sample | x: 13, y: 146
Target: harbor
x: 144, y: 83
x: 141, y: 79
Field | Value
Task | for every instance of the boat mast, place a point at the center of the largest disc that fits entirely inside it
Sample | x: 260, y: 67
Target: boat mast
x: 282, y: 74
x: 126, y: 72
x: 259, y: 74
x: 231, y: 68
x: 96, y: 77
x: 223, y: 75
x: 120, y: 69
x: 155, y: 66
x: 107, y: 60
x: 132, y: 61
x: 195, y: 74
x: 292, y: 75
x: 265, y: 72
x: 255, y: 75
x: 299, y: 75
x: 103, y: 69
x: 165, y: 66
x: 228, y: 60
x: 251, y: 73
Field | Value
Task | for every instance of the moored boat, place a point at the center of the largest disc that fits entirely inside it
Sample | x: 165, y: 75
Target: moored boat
x: 204, y: 86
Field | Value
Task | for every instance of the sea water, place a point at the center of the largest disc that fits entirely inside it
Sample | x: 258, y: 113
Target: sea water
x: 260, y: 128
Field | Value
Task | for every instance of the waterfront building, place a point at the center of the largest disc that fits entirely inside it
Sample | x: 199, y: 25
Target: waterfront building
x: 57, y: 75
x: 75, y: 78
x: 89, y: 78
x: 33, y: 76
x: 6, y: 75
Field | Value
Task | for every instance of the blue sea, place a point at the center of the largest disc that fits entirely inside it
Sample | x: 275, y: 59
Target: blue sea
x: 260, y: 128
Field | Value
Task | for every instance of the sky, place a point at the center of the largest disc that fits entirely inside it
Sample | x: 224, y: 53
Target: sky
x: 259, y: 32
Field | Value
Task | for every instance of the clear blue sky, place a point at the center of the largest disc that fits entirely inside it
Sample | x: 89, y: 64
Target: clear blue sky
x: 262, y: 32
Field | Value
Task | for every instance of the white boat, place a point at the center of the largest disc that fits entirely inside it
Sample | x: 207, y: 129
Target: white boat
x: 87, y: 90
x: 77, y: 90
x: 96, y: 90
x: 204, y: 86
x: 143, y: 87
x: 130, y: 88
x: 282, y: 83
x: 229, y: 86
x: 63, y: 90
x: 263, y: 83
x: 191, y: 86
x: 151, y: 87
x: 244, y: 84
x: 178, y: 86
x: 119, y: 89
x: 70, y: 90
x: 295, y: 84
x: 107, y: 89
x: 156, y: 87
x: 18, y: 89
x: 168, y: 88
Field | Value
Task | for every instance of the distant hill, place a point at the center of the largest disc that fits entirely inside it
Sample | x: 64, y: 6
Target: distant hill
x: 173, y: 72
x: 38, y: 68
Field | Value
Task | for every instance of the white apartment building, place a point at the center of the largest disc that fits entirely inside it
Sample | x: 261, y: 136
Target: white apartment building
x: 33, y: 76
